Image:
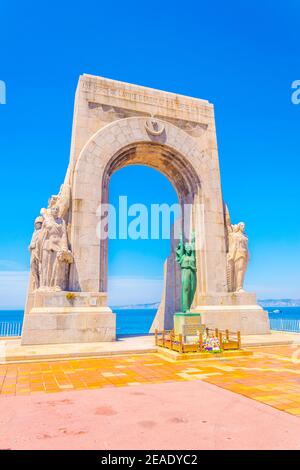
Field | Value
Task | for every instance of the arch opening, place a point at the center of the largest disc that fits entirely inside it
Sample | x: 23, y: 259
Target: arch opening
x: 170, y: 163
x: 122, y: 143
x: 160, y: 157
x: 136, y: 262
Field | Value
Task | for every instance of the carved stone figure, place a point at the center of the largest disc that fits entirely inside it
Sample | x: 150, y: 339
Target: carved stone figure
x: 185, y: 256
x: 238, y: 256
x: 35, y: 252
x: 55, y: 254
x: 61, y: 200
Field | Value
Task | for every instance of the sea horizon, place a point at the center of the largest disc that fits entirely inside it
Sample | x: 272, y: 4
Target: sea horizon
x: 139, y: 321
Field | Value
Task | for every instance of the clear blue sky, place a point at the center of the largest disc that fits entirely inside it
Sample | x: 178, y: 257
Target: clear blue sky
x: 242, y: 56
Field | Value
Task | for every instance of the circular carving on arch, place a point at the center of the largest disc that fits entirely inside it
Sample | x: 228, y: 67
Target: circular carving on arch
x: 178, y: 156
x: 154, y: 126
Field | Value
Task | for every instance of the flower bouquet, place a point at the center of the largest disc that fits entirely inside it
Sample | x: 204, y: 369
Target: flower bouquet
x: 211, y: 344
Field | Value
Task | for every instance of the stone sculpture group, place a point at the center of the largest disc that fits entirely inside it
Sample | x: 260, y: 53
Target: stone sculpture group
x: 49, y: 247
x: 237, y: 253
x: 237, y: 257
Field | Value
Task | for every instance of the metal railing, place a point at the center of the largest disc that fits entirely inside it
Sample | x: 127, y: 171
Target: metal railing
x: 285, y: 324
x: 277, y: 324
x: 8, y: 328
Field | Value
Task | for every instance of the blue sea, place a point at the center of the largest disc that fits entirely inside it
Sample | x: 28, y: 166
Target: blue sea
x: 139, y: 321
x: 129, y: 322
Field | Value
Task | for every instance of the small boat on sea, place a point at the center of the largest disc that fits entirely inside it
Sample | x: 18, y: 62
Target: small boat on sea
x: 276, y: 311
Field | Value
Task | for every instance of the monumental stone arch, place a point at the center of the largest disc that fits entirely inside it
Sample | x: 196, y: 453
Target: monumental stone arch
x: 117, y: 124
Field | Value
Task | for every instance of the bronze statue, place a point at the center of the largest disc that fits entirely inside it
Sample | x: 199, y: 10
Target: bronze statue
x: 185, y: 256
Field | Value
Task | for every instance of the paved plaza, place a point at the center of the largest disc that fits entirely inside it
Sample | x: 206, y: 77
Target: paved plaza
x: 271, y: 375
x: 147, y: 401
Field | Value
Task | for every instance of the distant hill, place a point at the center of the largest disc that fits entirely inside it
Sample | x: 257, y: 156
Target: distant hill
x: 279, y: 302
x: 262, y: 302
x: 153, y: 306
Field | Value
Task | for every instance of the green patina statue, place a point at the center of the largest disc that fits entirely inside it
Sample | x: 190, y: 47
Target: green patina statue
x: 185, y: 256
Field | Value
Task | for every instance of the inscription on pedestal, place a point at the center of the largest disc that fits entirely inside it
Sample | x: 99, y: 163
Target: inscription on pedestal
x: 191, y: 330
x: 187, y: 324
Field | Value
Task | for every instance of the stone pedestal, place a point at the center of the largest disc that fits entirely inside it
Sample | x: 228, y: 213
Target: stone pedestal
x: 187, y: 324
x: 235, y: 312
x: 232, y: 311
x: 64, y: 317
x: 248, y: 319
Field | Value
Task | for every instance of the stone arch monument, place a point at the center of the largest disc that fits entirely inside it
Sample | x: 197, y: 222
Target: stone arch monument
x: 117, y: 124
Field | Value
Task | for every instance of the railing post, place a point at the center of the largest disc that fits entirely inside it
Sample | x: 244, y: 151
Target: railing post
x: 200, y: 341
x: 221, y: 340
x: 181, y: 343
x: 239, y: 339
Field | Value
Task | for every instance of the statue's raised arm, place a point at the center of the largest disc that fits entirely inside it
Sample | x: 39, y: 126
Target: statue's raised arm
x: 193, y: 248
x: 180, y: 251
